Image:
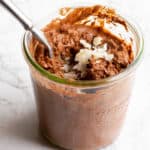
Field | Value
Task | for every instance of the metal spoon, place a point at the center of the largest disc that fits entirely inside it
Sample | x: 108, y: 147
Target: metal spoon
x: 26, y: 23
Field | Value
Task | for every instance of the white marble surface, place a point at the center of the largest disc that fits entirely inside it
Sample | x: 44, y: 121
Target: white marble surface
x: 18, y: 119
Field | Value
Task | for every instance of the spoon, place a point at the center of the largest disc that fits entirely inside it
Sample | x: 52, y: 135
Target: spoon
x: 26, y: 23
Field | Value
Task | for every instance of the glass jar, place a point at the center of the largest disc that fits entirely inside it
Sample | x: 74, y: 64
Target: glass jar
x: 82, y: 114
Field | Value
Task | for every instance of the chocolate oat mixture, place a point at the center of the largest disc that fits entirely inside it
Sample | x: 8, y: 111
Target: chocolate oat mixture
x: 89, y: 43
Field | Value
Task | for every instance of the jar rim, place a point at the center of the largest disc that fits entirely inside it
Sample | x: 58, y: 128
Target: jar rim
x: 88, y: 83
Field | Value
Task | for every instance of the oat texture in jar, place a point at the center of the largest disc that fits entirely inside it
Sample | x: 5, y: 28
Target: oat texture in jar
x: 89, y: 43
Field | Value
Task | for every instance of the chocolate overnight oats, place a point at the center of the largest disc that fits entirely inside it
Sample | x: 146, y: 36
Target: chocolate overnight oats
x: 83, y: 90
x: 89, y: 43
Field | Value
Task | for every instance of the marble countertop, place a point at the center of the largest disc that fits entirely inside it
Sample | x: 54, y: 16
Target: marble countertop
x: 18, y: 118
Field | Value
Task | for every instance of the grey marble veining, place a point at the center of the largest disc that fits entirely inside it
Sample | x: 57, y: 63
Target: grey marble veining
x: 18, y: 118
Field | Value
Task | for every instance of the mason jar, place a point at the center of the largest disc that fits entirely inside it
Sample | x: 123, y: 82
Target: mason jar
x: 82, y: 115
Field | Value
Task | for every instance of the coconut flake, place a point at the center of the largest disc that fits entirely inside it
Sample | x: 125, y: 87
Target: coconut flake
x: 97, y: 41
x: 70, y: 75
x: 89, y: 20
x: 65, y: 13
x: 85, y: 44
x: 119, y: 31
x: 84, y: 55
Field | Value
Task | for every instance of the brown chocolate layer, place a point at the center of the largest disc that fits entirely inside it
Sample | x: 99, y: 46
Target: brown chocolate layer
x: 65, y: 35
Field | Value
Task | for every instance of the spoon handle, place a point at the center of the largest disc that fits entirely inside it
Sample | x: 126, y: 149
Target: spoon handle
x: 27, y: 24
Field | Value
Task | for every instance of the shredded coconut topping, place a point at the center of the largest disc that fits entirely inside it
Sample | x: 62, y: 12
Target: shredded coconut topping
x: 97, y: 41
x: 85, y: 44
x: 83, y: 56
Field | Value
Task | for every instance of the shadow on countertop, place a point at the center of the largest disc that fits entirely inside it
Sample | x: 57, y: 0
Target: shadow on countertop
x: 25, y: 129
